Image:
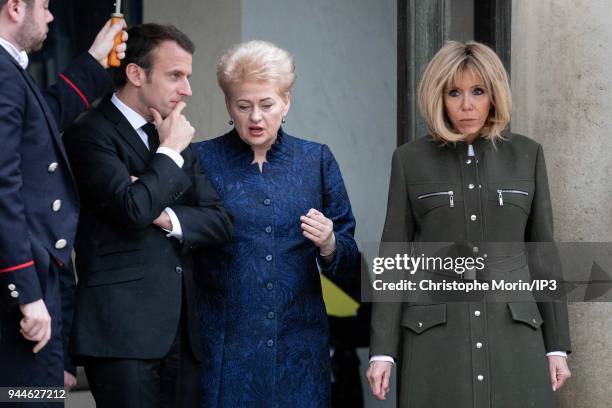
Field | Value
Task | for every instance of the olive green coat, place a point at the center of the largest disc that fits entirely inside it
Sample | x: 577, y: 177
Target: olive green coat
x: 474, y: 354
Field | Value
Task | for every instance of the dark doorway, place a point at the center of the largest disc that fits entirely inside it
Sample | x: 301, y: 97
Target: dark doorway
x: 71, y: 33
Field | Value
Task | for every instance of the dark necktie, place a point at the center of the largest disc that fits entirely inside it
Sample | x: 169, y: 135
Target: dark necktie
x: 152, y: 136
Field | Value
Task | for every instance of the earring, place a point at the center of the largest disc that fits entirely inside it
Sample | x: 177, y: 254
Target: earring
x: 284, y: 120
x: 231, y: 122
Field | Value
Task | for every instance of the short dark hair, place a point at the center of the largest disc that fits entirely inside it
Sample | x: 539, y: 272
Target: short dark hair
x: 28, y: 2
x: 142, y: 40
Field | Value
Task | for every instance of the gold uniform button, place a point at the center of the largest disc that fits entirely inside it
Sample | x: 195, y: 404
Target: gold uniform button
x: 61, y: 244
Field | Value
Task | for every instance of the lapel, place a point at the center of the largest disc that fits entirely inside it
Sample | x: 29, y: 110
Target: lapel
x: 125, y: 129
x: 50, y: 119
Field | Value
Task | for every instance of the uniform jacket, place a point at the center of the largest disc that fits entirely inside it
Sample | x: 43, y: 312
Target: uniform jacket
x: 263, y: 319
x: 133, y: 279
x: 483, y: 354
x: 39, y: 209
x: 38, y: 201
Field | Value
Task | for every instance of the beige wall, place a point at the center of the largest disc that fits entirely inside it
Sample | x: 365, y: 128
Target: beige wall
x: 562, y: 89
x: 213, y: 26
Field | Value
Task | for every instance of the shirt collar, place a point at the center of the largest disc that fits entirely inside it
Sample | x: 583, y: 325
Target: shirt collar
x: 20, y: 56
x: 135, y: 119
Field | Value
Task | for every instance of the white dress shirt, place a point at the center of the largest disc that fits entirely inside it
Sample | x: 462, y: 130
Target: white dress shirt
x: 137, y: 122
x: 20, y: 56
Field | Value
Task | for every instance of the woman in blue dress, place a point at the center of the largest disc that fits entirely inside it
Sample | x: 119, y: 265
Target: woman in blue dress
x: 263, y: 317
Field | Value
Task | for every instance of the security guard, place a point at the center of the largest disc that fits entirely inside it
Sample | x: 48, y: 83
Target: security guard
x: 38, y: 201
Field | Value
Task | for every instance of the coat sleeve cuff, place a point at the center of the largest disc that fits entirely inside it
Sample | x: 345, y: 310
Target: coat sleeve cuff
x: 21, y: 285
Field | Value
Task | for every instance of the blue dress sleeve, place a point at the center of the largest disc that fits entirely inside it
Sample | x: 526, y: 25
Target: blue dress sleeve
x: 337, y: 207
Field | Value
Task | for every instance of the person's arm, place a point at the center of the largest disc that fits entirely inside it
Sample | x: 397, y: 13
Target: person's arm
x: 203, y: 221
x: 540, y: 229
x: 106, y: 181
x: 18, y: 277
x: 554, y: 314
x: 85, y: 80
x: 339, y: 260
x: 385, y: 324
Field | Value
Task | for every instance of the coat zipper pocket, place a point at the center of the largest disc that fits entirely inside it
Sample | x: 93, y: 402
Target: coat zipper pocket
x: 450, y: 194
x: 500, y: 194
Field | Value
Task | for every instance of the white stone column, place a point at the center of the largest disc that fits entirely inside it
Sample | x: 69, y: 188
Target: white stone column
x: 562, y: 89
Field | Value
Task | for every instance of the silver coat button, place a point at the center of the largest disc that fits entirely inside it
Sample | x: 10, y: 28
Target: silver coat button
x: 14, y: 294
x: 477, y: 313
x: 480, y: 377
x: 57, y: 204
x: 11, y: 286
x: 468, y: 161
x: 479, y: 345
x: 420, y: 324
x: 52, y: 167
x: 471, y: 186
x: 473, y: 217
x: 61, y: 244
x: 475, y: 249
x: 535, y: 321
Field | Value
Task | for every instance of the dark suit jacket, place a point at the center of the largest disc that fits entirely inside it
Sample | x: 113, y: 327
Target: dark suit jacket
x: 38, y: 200
x: 132, y: 277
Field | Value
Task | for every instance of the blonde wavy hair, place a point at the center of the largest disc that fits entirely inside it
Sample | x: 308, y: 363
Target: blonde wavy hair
x: 259, y: 61
x: 441, y: 75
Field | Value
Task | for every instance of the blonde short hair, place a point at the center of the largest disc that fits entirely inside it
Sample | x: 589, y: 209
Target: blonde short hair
x: 259, y: 61
x: 445, y: 69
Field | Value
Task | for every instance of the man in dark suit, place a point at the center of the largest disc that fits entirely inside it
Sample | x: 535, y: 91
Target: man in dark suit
x: 145, y: 208
x: 38, y: 201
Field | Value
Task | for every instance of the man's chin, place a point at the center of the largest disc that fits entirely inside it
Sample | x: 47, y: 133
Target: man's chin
x: 165, y: 113
x: 35, y: 47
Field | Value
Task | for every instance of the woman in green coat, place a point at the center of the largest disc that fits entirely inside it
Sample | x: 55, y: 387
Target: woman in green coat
x: 472, y: 183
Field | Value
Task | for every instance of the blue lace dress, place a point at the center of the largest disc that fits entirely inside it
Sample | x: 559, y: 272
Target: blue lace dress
x: 263, y: 318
